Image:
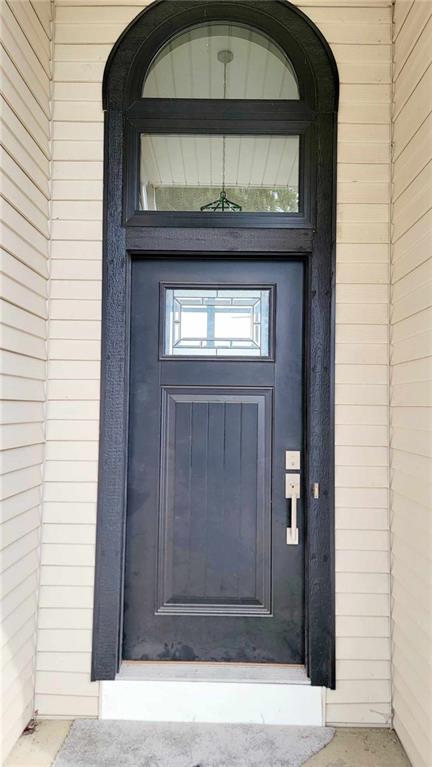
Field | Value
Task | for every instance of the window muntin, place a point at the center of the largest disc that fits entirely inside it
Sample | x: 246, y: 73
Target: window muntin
x: 220, y: 60
x: 216, y: 322
x: 189, y: 173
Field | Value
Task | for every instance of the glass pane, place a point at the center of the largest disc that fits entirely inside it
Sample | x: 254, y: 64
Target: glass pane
x: 219, y: 60
x: 220, y: 173
x: 217, y: 322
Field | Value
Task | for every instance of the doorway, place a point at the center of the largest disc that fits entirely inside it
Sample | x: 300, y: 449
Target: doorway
x: 215, y: 508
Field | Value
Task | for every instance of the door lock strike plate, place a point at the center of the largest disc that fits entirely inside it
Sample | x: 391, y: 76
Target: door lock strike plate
x: 316, y: 490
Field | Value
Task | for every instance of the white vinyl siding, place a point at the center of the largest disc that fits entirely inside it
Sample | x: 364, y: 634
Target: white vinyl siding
x: 411, y: 379
x: 360, y: 35
x: 24, y: 185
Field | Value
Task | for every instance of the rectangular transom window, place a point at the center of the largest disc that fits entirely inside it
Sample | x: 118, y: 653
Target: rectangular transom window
x: 217, y: 322
x: 219, y: 173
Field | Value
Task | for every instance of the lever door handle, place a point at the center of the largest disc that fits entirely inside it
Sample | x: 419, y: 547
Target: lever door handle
x: 292, y: 493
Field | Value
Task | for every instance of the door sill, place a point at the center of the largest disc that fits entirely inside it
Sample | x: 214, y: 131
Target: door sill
x: 229, y: 693
x: 245, y: 673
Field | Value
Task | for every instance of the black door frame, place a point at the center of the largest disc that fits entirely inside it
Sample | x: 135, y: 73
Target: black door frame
x: 310, y: 235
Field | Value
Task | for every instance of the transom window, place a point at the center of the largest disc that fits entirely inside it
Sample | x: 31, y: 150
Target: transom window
x: 218, y: 127
x: 219, y: 173
x: 221, y: 61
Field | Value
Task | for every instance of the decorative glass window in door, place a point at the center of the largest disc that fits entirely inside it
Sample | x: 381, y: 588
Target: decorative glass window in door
x: 217, y: 322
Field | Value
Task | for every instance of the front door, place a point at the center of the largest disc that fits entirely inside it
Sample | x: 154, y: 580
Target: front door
x: 213, y: 570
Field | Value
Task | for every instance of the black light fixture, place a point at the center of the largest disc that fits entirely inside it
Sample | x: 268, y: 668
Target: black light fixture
x: 223, y: 203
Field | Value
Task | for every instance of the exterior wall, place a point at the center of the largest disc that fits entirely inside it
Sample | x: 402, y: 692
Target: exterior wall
x: 360, y: 34
x: 411, y: 375
x: 25, y: 152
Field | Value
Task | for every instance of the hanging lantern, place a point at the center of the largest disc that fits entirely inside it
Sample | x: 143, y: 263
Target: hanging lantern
x: 223, y: 203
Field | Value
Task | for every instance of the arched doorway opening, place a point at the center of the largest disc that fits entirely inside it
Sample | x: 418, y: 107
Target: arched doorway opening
x: 215, y: 512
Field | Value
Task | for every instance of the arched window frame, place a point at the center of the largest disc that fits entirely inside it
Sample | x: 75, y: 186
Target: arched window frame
x: 309, y: 236
x: 216, y: 116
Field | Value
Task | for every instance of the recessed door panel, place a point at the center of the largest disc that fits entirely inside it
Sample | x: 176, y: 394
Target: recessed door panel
x: 214, y: 508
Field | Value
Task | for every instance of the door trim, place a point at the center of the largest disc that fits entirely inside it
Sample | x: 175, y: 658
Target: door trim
x: 315, y: 244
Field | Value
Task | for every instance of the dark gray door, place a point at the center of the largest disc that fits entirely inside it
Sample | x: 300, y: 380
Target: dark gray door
x: 216, y: 385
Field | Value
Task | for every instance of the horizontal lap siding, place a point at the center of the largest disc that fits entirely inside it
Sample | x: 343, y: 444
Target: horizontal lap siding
x: 24, y: 184
x: 360, y: 35
x: 411, y: 380
x: 361, y: 42
x: 63, y: 687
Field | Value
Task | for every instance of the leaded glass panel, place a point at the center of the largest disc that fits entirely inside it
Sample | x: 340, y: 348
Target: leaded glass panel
x: 217, y: 322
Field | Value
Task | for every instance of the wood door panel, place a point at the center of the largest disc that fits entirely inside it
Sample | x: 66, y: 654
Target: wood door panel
x: 215, y: 505
x: 198, y: 586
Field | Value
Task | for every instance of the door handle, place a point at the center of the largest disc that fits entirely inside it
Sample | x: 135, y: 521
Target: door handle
x: 292, y: 493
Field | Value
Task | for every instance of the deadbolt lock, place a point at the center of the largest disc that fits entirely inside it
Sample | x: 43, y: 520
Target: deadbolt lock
x: 292, y: 460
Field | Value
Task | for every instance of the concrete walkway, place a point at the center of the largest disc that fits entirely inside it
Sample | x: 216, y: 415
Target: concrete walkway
x: 358, y: 747
x: 351, y: 747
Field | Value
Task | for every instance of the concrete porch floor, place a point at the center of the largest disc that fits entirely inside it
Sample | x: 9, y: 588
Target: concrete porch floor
x: 351, y: 747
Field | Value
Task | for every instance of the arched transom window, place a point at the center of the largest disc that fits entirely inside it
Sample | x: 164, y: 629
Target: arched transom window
x: 221, y: 61
x: 220, y: 129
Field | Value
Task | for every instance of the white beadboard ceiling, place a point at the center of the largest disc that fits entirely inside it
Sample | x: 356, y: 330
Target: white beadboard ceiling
x: 257, y: 161
x: 188, y: 66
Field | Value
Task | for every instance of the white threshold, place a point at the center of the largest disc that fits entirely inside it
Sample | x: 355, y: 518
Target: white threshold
x: 229, y: 693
